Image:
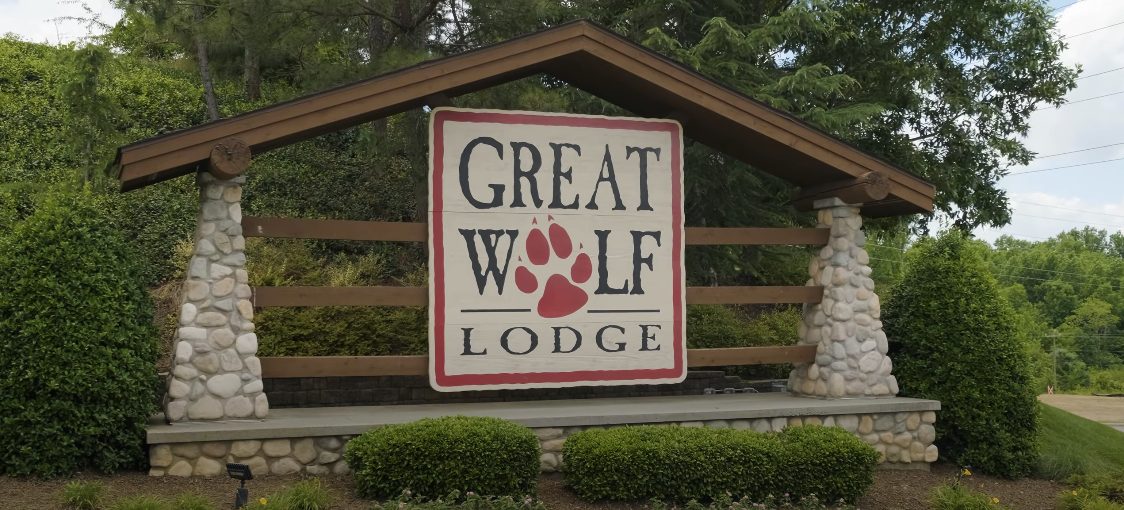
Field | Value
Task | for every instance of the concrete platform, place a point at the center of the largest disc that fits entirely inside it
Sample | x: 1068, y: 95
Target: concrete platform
x: 350, y: 421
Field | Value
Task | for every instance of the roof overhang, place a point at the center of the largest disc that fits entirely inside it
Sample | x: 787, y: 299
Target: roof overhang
x: 580, y: 53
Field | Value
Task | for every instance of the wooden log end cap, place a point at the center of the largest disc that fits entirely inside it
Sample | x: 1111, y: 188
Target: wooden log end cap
x: 878, y: 185
x: 229, y: 158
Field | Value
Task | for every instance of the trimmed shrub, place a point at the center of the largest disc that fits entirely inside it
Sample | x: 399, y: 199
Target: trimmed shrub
x: 953, y: 339
x: 433, y: 457
x: 685, y: 463
x: 77, y: 343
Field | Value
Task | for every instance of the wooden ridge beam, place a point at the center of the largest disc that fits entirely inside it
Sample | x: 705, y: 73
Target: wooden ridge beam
x: 229, y: 158
x: 419, y: 296
x: 419, y: 232
x: 868, y: 187
x: 345, y: 366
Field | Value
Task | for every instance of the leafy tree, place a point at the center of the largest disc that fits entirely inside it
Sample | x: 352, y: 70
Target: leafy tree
x: 954, y: 339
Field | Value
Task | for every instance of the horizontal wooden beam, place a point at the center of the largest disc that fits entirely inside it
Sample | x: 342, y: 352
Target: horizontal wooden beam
x: 758, y: 236
x: 334, y: 229
x: 753, y: 295
x: 419, y: 232
x: 344, y: 366
x: 419, y: 296
x: 751, y: 355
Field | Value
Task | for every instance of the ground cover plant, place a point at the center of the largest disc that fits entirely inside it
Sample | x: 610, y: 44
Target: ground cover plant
x: 1072, y: 445
x: 83, y: 495
x: 954, y: 339
x: 688, y: 463
x: 455, y: 500
x: 435, y: 456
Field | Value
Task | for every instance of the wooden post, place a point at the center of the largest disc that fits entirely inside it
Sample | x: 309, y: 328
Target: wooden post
x: 229, y: 158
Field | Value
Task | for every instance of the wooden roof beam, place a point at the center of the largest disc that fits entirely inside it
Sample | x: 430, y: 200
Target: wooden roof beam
x: 868, y: 187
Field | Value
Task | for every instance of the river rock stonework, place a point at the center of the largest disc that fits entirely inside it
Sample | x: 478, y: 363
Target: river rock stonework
x: 905, y: 440
x: 215, y: 372
x: 851, y: 360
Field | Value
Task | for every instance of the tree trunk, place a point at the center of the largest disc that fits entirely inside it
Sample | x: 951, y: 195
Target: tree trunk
x: 204, y: 69
x: 253, y: 75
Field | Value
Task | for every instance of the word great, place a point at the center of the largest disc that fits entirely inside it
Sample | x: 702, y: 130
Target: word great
x: 522, y: 170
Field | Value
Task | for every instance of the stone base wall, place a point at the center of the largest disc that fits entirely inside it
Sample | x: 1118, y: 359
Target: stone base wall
x: 408, y: 390
x: 903, y: 439
x: 312, y: 455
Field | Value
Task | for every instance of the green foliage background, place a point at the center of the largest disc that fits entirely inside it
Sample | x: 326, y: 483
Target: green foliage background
x: 77, y: 342
x: 954, y: 339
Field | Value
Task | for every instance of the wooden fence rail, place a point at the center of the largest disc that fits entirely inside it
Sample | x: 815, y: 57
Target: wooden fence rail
x: 343, y: 366
x: 419, y: 296
x: 419, y: 232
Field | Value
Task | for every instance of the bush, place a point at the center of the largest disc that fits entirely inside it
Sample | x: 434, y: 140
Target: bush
x: 143, y: 502
x: 684, y: 463
x: 714, y: 326
x: 953, y: 339
x: 77, y: 343
x: 433, y: 457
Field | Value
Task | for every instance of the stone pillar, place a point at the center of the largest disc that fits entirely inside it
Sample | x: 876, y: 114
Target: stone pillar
x: 215, y: 374
x: 851, y: 347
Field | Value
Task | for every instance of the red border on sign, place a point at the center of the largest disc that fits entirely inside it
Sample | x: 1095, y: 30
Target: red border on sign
x: 445, y: 380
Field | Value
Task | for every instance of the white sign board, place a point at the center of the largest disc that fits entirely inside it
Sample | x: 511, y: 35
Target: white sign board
x: 556, y: 250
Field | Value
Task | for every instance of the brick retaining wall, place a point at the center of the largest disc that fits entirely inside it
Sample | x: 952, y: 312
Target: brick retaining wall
x: 409, y: 389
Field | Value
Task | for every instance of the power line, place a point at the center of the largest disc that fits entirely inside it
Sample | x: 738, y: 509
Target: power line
x: 1100, y: 73
x: 1093, y: 30
x: 1064, y: 167
x: 1090, y: 99
x: 1068, y: 209
x: 1074, y: 221
x: 1079, y: 150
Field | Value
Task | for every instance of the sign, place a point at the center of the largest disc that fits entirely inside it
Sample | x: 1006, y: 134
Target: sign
x: 556, y: 250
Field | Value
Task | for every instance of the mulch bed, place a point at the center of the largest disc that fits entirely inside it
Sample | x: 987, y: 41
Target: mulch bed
x: 893, y: 490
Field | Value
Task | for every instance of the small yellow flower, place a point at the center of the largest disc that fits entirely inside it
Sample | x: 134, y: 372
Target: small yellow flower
x: 1074, y: 493
x: 262, y: 501
x: 995, y: 500
x: 966, y: 472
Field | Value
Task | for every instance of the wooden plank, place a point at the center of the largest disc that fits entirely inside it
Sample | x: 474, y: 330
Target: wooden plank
x: 344, y: 366
x: 753, y: 295
x: 419, y: 232
x: 758, y: 236
x: 341, y: 296
x: 335, y: 229
x: 751, y: 355
x: 419, y: 296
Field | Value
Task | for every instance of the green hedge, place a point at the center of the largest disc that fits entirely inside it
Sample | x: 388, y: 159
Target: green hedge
x: 77, y: 342
x: 684, y: 463
x: 954, y: 339
x: 433, y: 457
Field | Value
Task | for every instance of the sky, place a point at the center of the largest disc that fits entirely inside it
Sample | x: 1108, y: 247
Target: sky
x: 1046, y: 200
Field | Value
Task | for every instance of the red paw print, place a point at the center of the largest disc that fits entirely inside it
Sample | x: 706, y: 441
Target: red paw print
x: 560, y: 297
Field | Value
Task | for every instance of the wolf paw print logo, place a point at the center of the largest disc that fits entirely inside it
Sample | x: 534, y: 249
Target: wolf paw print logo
x: 560, y: 296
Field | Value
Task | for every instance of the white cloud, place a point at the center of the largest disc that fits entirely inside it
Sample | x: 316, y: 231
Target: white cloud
x: 38, y: 20
x: 1099, y: 187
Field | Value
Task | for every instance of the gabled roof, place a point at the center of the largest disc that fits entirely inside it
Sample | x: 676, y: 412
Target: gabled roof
x: 580, y: 53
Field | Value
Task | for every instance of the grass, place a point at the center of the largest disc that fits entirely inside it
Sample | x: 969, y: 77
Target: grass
x: 305, y: 495
x: 82, y: 495
x: 139, y: 503
x: 958, y: 497
x: 1072, y: 445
